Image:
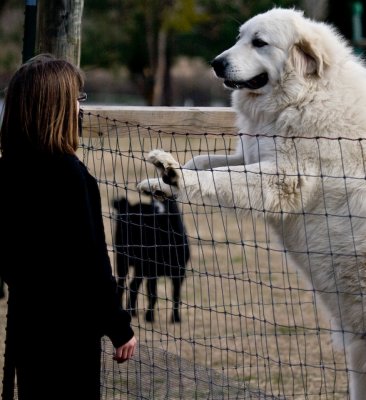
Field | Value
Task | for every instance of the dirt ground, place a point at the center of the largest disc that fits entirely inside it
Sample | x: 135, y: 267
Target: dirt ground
x: 246, y: 313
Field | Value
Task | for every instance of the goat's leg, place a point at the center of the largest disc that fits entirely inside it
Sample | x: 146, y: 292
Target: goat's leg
x: 122, y: 272
x: 134, y: 290
x: 177, y: 284
x: 120, y: 289
x: 152, y: 297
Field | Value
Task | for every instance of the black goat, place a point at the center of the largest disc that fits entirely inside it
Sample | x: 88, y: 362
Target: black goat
x: 152, y: 239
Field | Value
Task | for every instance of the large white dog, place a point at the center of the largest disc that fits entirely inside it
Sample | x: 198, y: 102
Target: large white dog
x: 300, y: 98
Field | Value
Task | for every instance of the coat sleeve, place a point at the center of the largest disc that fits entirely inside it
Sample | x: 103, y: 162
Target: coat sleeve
x: 110, y: 319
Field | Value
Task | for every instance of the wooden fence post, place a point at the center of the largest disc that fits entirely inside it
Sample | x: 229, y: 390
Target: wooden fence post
x: 59, y: 28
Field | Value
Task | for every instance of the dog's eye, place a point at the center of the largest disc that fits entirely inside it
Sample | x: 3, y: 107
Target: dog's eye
x: 258, y: 42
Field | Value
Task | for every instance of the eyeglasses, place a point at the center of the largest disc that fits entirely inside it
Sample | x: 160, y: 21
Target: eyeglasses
x: 82, y: 96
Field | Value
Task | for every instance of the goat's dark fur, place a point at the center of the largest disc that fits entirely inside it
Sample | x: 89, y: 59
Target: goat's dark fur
x: 152, y: 239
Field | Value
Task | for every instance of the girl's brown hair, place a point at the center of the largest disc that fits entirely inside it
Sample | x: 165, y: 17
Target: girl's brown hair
x: 41, y: 109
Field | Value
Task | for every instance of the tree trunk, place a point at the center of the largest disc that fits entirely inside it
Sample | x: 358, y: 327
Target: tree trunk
x: 160, y: 69
x: 157, y: 76
x: 149, y: 72
x: 59, y: 28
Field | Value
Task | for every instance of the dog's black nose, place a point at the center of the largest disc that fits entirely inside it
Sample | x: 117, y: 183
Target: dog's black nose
x: 219, y: 64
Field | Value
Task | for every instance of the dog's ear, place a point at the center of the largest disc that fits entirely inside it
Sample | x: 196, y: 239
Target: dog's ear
x: 308, y: 58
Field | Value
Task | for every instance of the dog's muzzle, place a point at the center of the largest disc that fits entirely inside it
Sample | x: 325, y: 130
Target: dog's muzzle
x: 220, y: 66
x: 256, y: 82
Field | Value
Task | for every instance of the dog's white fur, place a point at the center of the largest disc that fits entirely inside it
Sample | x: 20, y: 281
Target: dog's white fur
x: 310, y: 189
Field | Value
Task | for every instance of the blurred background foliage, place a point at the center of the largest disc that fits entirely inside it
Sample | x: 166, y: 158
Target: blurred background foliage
x: 157, y: 52
x: 154, y: 40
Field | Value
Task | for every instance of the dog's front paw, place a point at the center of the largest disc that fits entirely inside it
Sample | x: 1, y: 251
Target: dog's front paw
x: 168, y: 167
x: 156, y: 188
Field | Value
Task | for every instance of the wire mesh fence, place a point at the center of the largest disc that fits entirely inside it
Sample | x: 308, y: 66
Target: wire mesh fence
x: 251, y: 326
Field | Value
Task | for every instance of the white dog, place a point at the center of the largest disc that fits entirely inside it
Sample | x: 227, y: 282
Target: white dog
x: 300, y: 98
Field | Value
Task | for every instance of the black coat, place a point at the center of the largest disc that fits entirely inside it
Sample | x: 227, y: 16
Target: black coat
x: 62, y: 294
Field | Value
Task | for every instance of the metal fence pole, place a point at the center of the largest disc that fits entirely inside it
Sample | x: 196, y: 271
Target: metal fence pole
x: 30, y: 28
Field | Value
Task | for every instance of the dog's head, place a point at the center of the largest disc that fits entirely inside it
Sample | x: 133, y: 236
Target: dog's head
x: 273, y: 44
x: 121, y: 205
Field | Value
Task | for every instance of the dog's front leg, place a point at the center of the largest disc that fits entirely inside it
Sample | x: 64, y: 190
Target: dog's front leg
x: 257, y: 187
x: 205, y: 161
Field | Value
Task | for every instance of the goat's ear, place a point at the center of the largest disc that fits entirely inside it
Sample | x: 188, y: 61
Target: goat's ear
x: 115, y: 204
x: 309, y: 58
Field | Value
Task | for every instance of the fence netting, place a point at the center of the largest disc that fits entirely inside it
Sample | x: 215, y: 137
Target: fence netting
x: 251, y: 326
